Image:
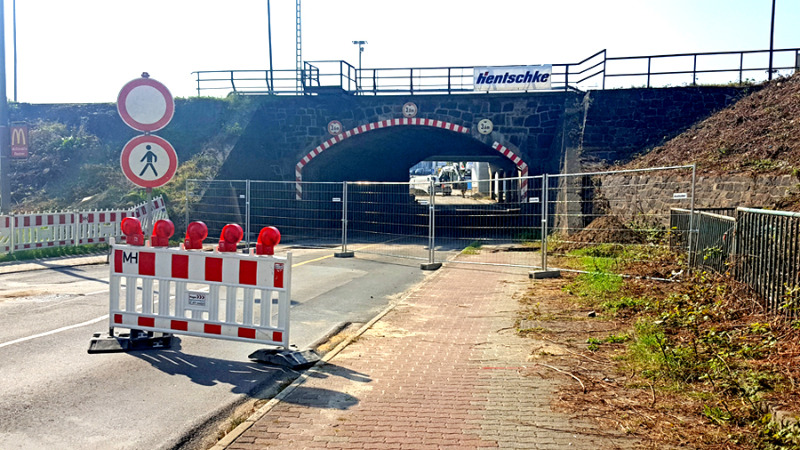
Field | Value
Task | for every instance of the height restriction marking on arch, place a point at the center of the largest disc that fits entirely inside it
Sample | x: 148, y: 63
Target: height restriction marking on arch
x: 149, y: 161
x: 145, y: 104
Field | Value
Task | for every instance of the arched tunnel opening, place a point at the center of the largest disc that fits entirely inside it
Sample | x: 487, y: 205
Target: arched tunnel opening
x: 391, y: 187
x: 431, y: 159
x: 387, y: 155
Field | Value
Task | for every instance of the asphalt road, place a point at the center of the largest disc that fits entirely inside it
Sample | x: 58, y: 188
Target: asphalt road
x: 53, y: 394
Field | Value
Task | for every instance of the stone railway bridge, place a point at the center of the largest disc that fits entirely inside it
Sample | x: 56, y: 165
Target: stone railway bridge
x: 277, y: 137
x: 287, y: 138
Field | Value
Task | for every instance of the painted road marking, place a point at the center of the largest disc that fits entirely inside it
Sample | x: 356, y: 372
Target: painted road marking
x: 101, y: 318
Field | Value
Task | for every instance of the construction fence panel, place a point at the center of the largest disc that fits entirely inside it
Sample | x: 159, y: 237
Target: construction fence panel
x: 768, y: 257
x: 315, y: 219
x: 489, y: 222
x: 599, y: 221
x: 390, y: 219
x: 713, y: 246
x: 217, y: 203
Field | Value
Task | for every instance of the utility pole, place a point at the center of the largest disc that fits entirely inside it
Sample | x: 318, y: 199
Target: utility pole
x: 14, y: 25
x: 771, y: 40
x: 5, y: 142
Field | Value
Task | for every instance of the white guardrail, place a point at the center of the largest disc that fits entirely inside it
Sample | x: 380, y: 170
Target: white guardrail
x: 58, y: 229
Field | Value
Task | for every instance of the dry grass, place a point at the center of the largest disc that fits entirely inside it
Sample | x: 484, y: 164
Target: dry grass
x: 664, y: 411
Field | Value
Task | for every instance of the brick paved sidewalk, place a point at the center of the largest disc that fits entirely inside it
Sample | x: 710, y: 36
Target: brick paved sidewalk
x: 444, y: 369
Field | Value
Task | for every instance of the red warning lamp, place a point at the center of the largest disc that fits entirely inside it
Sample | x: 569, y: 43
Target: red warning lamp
x: 195, y: 233
x: 268, y: 238
x: 162, y: 231
x: 231, y: 235
x: 132, y: 229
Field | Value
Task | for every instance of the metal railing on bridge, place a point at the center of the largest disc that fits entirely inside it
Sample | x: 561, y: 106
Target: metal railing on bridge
x: 598, y: 71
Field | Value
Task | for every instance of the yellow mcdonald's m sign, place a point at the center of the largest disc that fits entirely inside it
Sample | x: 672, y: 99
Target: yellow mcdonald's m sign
x: 19, y: 141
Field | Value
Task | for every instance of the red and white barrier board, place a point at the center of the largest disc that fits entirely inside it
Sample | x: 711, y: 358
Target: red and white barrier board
x: 207, y: 294
x: 58, y: 229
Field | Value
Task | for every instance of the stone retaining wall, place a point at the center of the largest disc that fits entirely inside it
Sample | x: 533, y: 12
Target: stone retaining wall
x: 651, y: 195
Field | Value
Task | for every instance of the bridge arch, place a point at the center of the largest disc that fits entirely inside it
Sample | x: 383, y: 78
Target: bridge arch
x: 512, y: 155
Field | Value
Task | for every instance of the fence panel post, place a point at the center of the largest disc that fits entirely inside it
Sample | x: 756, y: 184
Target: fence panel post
x: 431, y: 264
x: 344, y: 216
x: 544, y: 221
x: 692, y: 255
x: 76, y: 217
x: 247, y: 213
x: 12, y: 243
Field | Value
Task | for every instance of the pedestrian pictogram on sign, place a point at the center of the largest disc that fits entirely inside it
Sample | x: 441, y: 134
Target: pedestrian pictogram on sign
x: 144, y: 104
x: 151, y: 158
x: 149, y: 161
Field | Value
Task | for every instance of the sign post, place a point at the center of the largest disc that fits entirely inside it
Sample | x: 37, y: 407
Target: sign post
x: 147, y: 160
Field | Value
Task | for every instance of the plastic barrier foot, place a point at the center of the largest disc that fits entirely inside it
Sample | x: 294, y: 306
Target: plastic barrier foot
x: 135, y: 340
x: 541, y: 274
x: 292, y: 359
x: 430, y: 266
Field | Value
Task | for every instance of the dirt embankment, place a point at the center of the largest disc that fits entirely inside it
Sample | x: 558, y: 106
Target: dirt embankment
x: 760, y: 133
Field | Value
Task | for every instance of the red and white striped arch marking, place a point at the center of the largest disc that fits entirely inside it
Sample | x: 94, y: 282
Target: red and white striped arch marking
x: 523, y: 169
x: 298, y: 171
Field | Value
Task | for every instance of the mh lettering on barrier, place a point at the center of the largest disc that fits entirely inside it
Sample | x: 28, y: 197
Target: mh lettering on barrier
x: 132, y: 257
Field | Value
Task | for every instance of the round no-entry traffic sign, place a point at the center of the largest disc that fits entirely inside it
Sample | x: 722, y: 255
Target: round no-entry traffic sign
x: 149, y: 161
x: 145, y: 104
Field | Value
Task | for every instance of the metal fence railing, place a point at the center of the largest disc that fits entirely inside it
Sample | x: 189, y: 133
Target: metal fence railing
x: 314, y: 220
x: 760, y: 248
x: 712, y: 245
x: 598, y: 71
x: 768, y: 257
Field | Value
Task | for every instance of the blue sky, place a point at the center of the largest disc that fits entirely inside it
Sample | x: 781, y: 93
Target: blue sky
x: 86, y: 50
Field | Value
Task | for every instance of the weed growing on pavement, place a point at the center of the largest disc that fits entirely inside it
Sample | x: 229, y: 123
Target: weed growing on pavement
x: 474, y: 248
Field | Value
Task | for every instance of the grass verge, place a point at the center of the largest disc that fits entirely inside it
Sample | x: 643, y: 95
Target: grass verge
x: 702, y: 363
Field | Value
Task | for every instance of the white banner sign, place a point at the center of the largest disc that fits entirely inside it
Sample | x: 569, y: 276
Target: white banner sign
x: 512, y: 78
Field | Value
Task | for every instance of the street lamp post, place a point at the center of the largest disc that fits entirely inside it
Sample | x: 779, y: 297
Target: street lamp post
x: 360, y: 51
x: 771, y: 40
x: 271, y: 86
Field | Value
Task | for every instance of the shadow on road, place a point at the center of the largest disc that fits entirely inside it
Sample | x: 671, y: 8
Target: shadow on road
x: 245, y: 377
x: 251, y: 377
